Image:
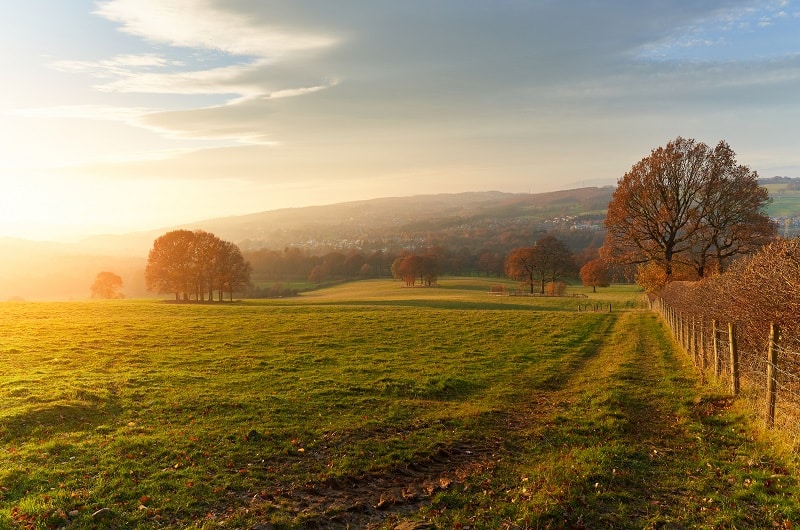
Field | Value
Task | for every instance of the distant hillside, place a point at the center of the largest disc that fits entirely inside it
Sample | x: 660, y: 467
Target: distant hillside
x: 389, y: 218
x: 490, y: 220
x: 34, y: 270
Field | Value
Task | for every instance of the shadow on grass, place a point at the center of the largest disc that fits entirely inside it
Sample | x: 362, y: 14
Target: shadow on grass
x: 450, y: 304
x: 55, y: 419
x: 656, y: 457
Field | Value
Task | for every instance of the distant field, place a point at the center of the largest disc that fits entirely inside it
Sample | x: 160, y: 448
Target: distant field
x: 785, y: 203
x: 366, y: 405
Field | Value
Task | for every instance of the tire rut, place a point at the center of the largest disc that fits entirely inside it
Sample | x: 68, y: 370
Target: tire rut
x: 391, y: 496
x: 369, y: 499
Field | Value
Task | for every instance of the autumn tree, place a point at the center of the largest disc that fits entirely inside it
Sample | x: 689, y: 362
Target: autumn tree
x: 319, y: 273
x: 366, y: 270
x: 519, y: 266
x: 169, y: 264
x: 353, y: 263
x: 548, y: 260
x: 231, y: 273
x: 415, y: 266
x: 197, y: 263
x: 429, y: 274
x: 689, y: 204
x: 206, y: 251
x: 595, y: 274
x: 733, y: 219
x: 106, y: 286
x: 490, y: 263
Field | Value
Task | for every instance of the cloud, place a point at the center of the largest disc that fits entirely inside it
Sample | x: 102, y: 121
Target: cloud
x: 293, y: 92
x: 317, y: 78
x: 115, y: 66
x: 228, y: 80
x: 85, y: 112
x: 198, y: 24
x: 210, y: 51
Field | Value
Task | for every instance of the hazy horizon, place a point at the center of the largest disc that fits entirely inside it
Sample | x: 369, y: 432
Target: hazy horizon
x: 99, y: 231
x: 122, y: 115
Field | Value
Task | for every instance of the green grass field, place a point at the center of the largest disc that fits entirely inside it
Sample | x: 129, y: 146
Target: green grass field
x: 785, y: 202
x: 370, y: 405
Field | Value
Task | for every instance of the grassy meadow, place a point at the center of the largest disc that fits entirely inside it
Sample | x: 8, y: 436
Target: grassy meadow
x: 370, y: 405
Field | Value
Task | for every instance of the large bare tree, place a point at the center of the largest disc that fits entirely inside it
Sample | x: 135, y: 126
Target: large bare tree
x: 687, y: 204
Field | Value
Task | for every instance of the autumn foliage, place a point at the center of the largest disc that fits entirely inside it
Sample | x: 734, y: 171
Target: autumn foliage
x: 689, y: 205
x: 548, y: 260
x: 195, y: 264
x: 106, y: 286
x: 595, y: 274
x: 413, y: 267
x: 754, y: 292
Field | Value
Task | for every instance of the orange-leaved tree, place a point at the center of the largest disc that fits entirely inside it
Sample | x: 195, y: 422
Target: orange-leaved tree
x: 595, y: 274
x: 413, y: 266
x: 686, y: 203
x: 549, y: 259
x: 196, y: 263
x: 107, y: 285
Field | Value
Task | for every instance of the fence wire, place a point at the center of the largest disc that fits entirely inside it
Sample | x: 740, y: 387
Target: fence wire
x: 709, y: 347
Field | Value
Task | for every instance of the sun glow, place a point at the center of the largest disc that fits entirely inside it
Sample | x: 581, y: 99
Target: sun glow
x: 57, y: 211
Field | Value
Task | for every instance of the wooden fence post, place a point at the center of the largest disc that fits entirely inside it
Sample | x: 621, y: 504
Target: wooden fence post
x: 672, y: 321
x: 717, y: 357
x: 734, y: 358
x: 703, y: 364
x: 772, y: 372
x: 685, y: 333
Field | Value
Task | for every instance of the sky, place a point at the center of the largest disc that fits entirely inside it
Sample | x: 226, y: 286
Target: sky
x: 125, y: 115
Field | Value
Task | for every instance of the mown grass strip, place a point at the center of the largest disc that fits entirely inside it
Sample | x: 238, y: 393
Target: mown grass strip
x: 630, y: 441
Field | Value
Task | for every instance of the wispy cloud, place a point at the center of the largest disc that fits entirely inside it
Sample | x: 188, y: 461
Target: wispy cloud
x: 84, y: 112
x: 198, y: 24
x: 116, y: 65
x: 242, y: 48
x: 228, y: 80
x: 725, y: 33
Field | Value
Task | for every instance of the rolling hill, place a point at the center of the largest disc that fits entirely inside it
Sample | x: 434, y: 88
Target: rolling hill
x: 43, y: 270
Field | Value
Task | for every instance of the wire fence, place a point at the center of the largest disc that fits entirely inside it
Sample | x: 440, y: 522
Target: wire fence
x: 757, y: 363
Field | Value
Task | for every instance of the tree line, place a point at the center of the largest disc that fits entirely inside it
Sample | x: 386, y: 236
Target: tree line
x: 196, y: 265
x: 296, y: 264
x: 686, y: 211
